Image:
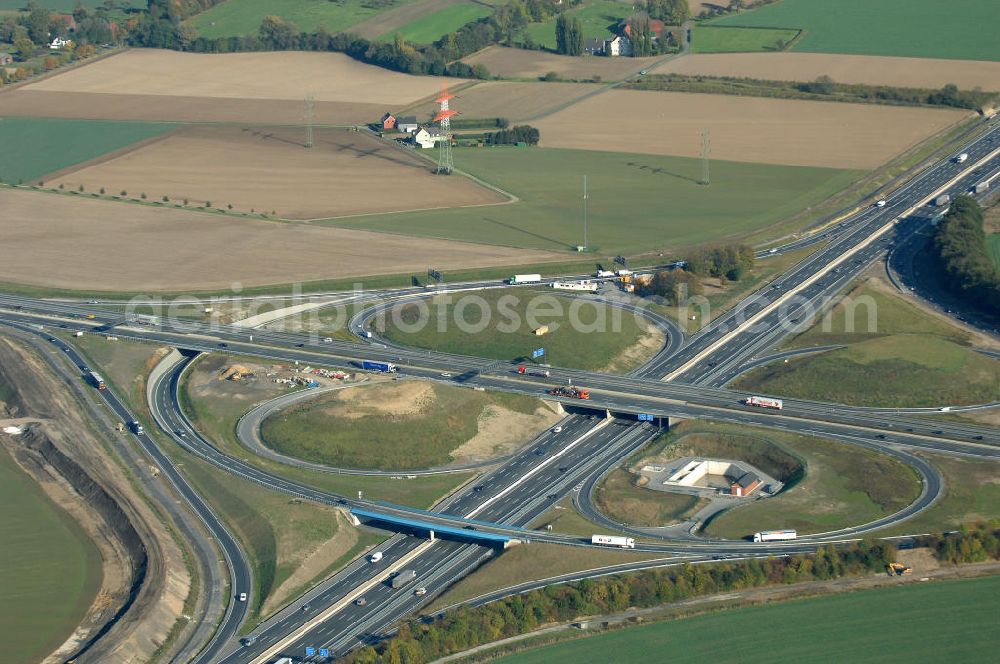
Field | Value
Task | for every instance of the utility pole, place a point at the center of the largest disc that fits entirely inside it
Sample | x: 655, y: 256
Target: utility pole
x: 308, y: 112
x: 585, y: 245
x: 706, y: 149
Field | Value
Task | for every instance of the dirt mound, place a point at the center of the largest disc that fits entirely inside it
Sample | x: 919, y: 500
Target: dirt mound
x: 398, y: 399
x: 235, y: 372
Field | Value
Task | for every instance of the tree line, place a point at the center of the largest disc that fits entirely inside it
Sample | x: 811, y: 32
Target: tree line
x: 513, y: 136
x: 728, y: 262
x: 466, y: 628
x: 823, y: 88
x: 960, y: 244
x: 976, y: 544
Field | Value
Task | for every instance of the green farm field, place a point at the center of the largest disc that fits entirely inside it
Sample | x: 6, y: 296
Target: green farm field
x: 957, y: 29
x: 33, y: 147
x: 243, y: 17
x: 583, y: 335
x: 899, y: 357
x: 435, y: 25
x: 49, y: 570
x: 637, y: 203
x: 715, y: 39
x: 596, y: 16
x: 946, y: 621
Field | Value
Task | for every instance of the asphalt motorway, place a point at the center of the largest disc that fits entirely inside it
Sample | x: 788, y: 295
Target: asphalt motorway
x: 238, y: 566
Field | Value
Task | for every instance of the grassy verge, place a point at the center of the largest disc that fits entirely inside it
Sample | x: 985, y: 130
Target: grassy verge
x: 714, y: 39
x: 944, y: 621
x: 355, y: 429
x: 216, y: 418
x: 529, y: 563
x: 722, y: 297
x: 828, y: 485
x: 895, y: 356
x: 564, y: 518
x: 500, y: 324
x: 971, y: 494
x: 50, y: 571
x: 620, y: 498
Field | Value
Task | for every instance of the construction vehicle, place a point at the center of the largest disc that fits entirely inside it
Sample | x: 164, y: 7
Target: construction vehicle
x: 569, y: 391
x: 897, y: 569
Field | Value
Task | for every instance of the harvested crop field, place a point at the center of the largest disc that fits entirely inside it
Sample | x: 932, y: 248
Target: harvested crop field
x: 519, y: 63
x: 774, y: 131
x: 163, y: 108
x: 63, y: 241
x: 289, y: 75
x: 866, y: 69
x: 270, y: 170
x: 507, y: 99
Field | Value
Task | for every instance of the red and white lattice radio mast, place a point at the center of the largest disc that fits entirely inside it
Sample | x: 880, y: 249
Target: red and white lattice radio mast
x: 445, y: 163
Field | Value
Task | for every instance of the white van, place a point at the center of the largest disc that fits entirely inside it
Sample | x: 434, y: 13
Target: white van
x: 375, y: 557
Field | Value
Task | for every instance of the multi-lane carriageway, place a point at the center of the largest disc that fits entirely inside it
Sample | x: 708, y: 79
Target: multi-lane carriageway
x: 618, y: 393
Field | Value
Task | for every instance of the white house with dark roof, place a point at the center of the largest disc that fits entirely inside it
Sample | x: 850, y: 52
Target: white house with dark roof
x: 428, y: 137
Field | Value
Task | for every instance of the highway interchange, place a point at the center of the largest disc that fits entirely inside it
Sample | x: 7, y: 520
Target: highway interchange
x: 516, y: 492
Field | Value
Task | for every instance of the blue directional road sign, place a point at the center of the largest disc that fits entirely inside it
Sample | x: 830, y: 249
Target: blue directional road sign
x: 538, y: 353
x: 643, y: 417
x: 310, y: 651
x: 324, y: 652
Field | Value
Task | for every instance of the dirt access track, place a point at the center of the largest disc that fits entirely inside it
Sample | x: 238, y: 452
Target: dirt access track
x: 508, y: 99
x: 270, y: 170
x: 149, y: 84
x: 749, y: 129
x: 865, y: 69
x: 63, y: 241
x: 519, y: 63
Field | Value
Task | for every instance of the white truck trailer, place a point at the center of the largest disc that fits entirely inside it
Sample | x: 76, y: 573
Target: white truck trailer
x: 519, y: 279
x: 775, y: 536
x: 613, y: 540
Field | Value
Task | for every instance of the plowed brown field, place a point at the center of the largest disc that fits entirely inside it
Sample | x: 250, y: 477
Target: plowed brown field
x: 74, y: 243
x: 519, y: 63
x: 775, y: 131
x: 289, y: 75
x: 507, y: 99
x: 867, y: 69
x: 163, y: 108
x: 344, y: 173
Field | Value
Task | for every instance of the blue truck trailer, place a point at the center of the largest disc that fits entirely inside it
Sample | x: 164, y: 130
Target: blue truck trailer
x: 384, y: 367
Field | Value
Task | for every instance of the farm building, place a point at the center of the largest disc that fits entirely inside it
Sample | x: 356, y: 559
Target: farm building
x: 388, y: 121
x: 428, y: 137
x: 59, y: 43
x: 594, y: 46
x: 745, y: 485
x: 407, y: 124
